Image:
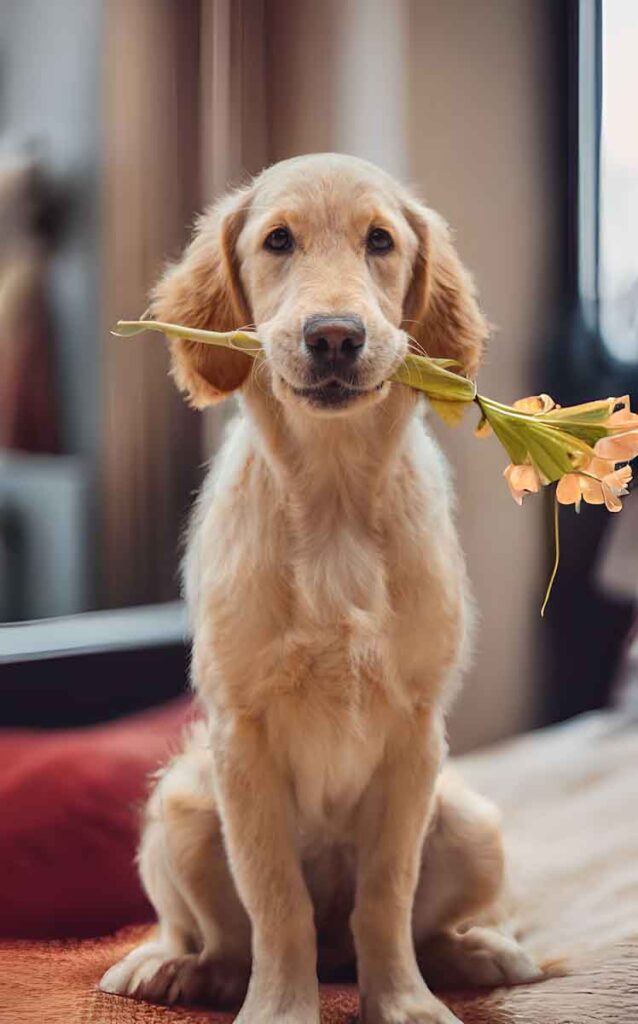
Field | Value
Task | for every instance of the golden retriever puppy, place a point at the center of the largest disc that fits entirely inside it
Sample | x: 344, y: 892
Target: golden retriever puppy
x: 307, y: 822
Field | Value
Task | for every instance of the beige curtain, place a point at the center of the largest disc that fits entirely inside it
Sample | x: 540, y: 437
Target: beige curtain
x: 234, y: 137
x: 183, y: 115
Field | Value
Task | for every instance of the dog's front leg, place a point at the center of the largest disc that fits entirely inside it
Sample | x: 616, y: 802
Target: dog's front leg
x: 390, y: 831
x: 257, y: 816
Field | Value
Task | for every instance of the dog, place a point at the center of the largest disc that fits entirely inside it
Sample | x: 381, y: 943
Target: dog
x: 309, y: 823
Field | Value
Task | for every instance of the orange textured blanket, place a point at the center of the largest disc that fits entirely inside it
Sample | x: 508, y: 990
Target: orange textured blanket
x: 569, y: 800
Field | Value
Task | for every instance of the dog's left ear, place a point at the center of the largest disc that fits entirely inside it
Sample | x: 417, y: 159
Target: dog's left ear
x: 203, y: 289
x: 441, y: 309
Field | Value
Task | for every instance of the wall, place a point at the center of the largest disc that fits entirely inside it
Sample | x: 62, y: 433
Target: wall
x: 479, y: 136
x: 486, y: 148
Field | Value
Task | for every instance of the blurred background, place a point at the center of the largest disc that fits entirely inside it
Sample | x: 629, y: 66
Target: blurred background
x: 119, y: 119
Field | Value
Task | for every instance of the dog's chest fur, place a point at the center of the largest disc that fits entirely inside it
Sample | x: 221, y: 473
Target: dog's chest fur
x: 327, y: 603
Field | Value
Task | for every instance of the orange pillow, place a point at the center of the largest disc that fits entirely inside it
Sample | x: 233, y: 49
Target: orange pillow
x: 70, y: 805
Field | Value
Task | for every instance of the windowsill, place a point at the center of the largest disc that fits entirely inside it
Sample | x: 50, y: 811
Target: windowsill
x: 114, y: 630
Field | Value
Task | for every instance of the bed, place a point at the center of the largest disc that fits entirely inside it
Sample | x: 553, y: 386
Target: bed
x: 569, y: 796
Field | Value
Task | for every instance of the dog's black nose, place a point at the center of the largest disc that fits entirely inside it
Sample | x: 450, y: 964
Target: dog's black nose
x: 334, y: 340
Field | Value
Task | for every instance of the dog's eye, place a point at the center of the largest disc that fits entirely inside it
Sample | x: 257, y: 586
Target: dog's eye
x: 379, y: 240
x: 279, y: 240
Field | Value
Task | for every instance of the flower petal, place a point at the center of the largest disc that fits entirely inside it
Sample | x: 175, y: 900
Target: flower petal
x: 619, y: 480
x: 612, y: 501
x: 600, y: 467
x: 535, y: 404
x: 623, y: 416
x: 568, y: 489
x: 614, y: 485
x: 592, y: 491
x: 619, y: 447
x: 521, y: 480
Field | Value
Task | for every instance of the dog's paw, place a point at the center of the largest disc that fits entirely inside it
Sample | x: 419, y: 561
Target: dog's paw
x: 417, y: 1007
x: 263, y: 1011
x: 150, y: 973
x: 479, y: 957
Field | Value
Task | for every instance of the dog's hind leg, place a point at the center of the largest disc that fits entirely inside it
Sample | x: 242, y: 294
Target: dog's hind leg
x: 202, y: 949
x: 458, y: 924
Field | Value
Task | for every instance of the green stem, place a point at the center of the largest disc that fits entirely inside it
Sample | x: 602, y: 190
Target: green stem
x: 556, y: 557
x: 243, y: 340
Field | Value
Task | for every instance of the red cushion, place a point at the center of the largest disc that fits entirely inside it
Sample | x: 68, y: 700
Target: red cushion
x: 69, y: 822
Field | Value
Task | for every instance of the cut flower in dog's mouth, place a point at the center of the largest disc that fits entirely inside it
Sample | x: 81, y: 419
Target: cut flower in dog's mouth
x: 583, y: 449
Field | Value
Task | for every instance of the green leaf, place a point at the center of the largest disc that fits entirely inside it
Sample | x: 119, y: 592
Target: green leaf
x: 450, y: 412
x: 549, y: 456
x: 432, y: 377
x: 243, y: 340
x: 588, y: 412
x: 506, y: 428
x: 509, y: 436
x: 556, y: 452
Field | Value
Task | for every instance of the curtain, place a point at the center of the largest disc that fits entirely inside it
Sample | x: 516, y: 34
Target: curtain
x: 182, y: 115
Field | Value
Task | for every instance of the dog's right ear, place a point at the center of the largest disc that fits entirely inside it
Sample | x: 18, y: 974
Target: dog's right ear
x: 442, y: 311
x: 203, y: 289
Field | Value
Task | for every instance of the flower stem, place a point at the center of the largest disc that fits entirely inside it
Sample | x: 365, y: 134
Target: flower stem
x: 556, y: 557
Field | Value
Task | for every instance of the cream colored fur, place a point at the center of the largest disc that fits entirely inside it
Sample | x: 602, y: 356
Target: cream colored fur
x: 331, y: 619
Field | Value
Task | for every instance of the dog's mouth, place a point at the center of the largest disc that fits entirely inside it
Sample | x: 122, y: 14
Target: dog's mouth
x: 334, y: 393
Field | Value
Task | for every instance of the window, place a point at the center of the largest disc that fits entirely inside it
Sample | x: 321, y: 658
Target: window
x: 608, y: 175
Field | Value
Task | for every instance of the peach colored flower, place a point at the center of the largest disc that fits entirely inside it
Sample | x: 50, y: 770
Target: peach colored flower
x: 585, y: 484
x: 536, y: 404
x: 619, y: 447
x: 569, y: 490
x: 597, y: 483
x: 622, y: 444
x: 614, y: 486
x: 521, y: 480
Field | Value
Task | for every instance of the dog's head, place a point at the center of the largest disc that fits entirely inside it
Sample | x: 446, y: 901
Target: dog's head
x: 337, y: 268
